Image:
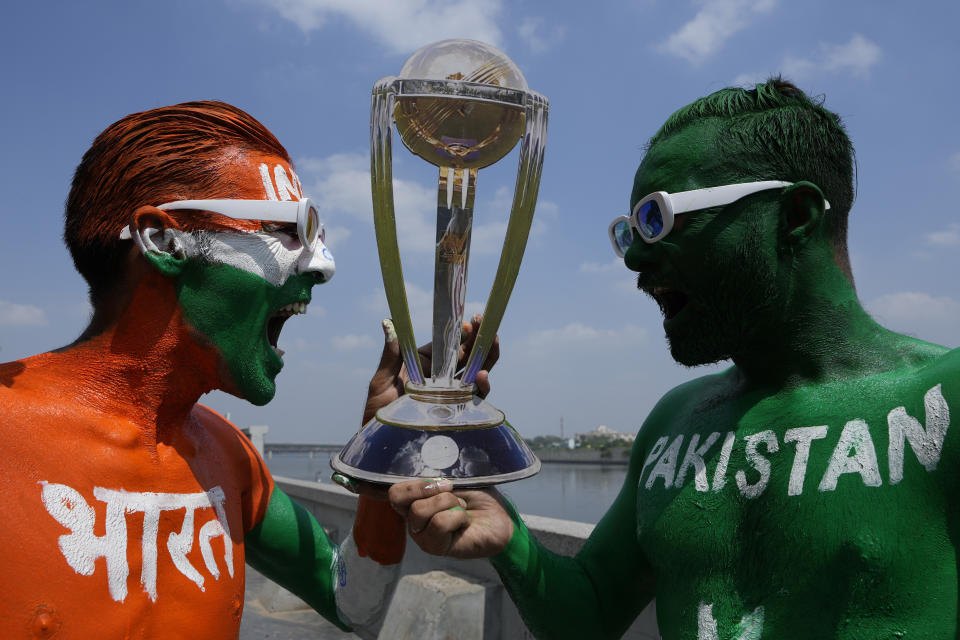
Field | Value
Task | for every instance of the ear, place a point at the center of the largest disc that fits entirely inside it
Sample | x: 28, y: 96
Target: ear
x: 158, y: 237
x: 802, y: 208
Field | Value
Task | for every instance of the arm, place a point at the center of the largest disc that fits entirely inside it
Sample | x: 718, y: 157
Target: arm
x: 349, y: 585
x: 596, y: 594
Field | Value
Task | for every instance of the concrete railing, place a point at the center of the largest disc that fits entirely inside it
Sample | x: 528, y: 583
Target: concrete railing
x: 334, y: 508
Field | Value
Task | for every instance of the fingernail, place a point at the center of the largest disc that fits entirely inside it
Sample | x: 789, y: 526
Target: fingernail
x: 463, y: 503
x: 437, y: 484
x: 389, y: 331
x: 345, y: 482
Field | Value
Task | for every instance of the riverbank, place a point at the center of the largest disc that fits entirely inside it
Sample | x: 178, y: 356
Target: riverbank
x: 616, y: 456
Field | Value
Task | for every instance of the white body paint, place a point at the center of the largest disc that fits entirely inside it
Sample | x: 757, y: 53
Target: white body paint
x: 749, y: 628
x: 694, y: 458
x: 666, y: 465
x: 803, y: 436
x: 81, y: 547
x: 854, y: 453
x: 363, y: 586
x: 927, y: 444
x: 758, y: 462
x: 720, y: 473
x: 272, y: 255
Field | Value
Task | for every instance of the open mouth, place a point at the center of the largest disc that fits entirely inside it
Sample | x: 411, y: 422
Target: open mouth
x: 671, y: 301
x: 277, y: 319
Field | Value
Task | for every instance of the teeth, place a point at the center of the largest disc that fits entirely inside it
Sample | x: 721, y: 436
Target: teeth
x: 280, y: 352
x: 294, y: 308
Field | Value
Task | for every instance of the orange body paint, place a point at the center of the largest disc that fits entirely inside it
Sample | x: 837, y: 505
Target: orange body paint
x: 125, y: 502
x: 379, y: 531
x: 89, y: 438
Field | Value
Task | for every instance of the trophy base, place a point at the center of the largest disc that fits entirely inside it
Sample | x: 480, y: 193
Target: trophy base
x: 433, y: 433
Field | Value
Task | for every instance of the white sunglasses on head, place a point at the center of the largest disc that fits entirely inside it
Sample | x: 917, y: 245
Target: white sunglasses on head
x: 303, y: 213
x: 653, y: 215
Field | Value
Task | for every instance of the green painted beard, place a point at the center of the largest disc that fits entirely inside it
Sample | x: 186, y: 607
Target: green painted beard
x: 235, y: 310
x: 732, y: 302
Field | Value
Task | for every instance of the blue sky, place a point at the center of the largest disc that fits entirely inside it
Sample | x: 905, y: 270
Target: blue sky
x: 579, y: 342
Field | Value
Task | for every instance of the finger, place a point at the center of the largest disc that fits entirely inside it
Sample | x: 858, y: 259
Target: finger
x: 390, y: 360
x: 483, y: 383
x: 421, y: 512
x: 426, y: 356
x: 443, y: 530
x: 493, y: 355
x: 384, y: 383
x: 403, y: 494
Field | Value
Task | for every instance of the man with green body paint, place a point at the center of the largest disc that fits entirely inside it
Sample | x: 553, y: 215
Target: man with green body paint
x: 806, y: 491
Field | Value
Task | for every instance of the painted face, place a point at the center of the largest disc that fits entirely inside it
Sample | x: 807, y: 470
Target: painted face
x: 238, y: 288
x: 715, y: 276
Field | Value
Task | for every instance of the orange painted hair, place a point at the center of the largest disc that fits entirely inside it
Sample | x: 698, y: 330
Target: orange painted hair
x: 147, y: 158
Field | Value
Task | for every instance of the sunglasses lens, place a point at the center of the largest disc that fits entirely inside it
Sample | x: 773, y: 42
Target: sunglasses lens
x: 649, y: 219
x: 313, y: 227
x: 623, y: 235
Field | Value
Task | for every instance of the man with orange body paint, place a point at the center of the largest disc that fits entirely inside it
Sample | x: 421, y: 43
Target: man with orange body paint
x: 129, y: 508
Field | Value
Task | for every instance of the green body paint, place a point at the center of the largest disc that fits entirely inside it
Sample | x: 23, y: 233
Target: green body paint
x: 231, y: 307
x: 807, y: 491
x: 290, y: 547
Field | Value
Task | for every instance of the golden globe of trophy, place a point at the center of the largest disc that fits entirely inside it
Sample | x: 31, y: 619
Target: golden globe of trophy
x: 461, y: 105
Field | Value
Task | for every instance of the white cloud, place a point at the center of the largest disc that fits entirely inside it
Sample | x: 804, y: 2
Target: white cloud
x: 340, y: 184
x: 341, y: 187
x: 21, y: 315
x: 401, y: 26
x: 473, y: 308
x: 577, y: 333
x: 351, y: 342
x: 538, y: 38
x: 749, y: 80
x: 715, y: 23
x: 419, y: 300
x: 857, y: 56
x: 932, y: 318
x: 949, y: 237
x: 488, y: 236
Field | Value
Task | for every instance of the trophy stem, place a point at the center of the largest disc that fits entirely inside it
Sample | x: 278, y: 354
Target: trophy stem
x: 455, y: 192
x: 385, y: 225
x: 518, y: 228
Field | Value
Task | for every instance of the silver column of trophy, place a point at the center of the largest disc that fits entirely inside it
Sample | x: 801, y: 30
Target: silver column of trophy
x: 461, y: 105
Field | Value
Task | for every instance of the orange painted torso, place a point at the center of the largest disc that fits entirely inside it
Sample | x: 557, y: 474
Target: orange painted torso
x: 78, y: 483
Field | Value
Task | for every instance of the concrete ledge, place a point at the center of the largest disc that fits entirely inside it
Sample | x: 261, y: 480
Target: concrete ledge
x: 334, y: 507
x: 436, y: 606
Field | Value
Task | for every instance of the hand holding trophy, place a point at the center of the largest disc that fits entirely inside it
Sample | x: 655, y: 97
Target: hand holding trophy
x: 461, y: 105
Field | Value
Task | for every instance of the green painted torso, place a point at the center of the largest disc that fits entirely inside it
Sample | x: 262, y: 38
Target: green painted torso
x: 860, y: 549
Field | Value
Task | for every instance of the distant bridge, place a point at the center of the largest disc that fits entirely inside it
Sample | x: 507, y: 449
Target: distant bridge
x: 297, y: 447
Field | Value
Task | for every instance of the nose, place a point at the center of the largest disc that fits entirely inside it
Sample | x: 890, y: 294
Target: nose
x: 640, y: 256
x: 319, y: 262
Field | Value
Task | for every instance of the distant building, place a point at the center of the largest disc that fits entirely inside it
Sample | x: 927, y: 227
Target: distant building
x: 603, y: 434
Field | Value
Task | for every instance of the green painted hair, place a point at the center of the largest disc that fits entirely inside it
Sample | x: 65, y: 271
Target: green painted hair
x: 776, y: 132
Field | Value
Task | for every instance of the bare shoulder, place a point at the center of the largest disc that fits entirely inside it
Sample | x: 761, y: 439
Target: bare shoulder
x: 683, y: 400
x: 944, y: 369
x: 227, y: 436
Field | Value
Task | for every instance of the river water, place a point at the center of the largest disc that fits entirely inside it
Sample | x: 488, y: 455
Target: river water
x: 580, y: 492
